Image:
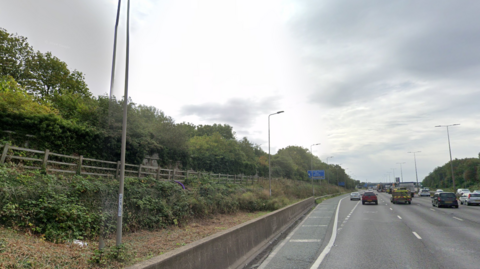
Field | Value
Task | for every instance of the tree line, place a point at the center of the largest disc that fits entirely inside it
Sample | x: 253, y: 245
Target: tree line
x: 466, y: 172
x: 41, y: 96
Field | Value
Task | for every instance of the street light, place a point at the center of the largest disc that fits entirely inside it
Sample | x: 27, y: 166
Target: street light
x: 401, y: 171
x: 269, y: 171
x: 415, y: 160
x: 311, y: 166
x: 450, y: 149
x: 326, y: 172
x: 124, y: 124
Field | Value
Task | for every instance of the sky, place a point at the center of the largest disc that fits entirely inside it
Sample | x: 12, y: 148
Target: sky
x: 368, y: 80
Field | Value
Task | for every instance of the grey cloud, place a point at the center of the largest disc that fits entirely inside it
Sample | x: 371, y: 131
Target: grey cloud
x: 237, y: 112
x: 356, y: 51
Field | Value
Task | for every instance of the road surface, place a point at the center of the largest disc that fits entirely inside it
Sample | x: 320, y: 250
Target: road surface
x: 381, y: 236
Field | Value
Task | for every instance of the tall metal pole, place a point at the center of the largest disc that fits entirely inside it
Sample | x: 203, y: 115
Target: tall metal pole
x: 269, y: 169
x: 311, y: 166
x: 101, y: 243
x: 415, y: 160
x: 124, y: 136
x: 112, y: 78
x: 401, y: 171
x: 450, y: 149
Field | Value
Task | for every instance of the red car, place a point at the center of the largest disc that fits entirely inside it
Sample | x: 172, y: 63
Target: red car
x: 369, y: 197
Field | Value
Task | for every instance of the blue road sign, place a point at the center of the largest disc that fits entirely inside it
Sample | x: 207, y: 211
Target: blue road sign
x: 317, y: 174
x: 341, y: 184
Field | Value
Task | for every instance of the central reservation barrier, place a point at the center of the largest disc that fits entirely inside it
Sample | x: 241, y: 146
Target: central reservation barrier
x: 234, y: 247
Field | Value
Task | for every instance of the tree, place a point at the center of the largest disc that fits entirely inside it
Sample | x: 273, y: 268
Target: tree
x: 43, y: 75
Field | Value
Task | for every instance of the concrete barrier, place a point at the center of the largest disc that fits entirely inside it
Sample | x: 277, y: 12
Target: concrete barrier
x: 234, y: 247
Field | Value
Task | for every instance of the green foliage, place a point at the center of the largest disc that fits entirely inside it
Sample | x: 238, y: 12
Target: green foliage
x: 466, y: 172
x: 43, y: 75
x: 124, y: 252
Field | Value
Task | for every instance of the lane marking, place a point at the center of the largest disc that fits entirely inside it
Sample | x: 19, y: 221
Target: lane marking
x: 320, y: 217
x: 458, y: 218
x: 399, y: 217
x: 314, y: 225
x: 277, y: 249
x: 432, y: 209
x: 418, y: 236
x: 327, y: 249
x: 391, y: 208
x: 304, y: 240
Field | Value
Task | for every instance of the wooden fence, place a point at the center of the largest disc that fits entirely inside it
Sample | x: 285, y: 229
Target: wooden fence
x: 52, y: 162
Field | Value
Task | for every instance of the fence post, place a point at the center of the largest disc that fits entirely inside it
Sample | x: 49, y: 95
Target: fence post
x: 45, y: 160
x: 4, y: 154
x: 218, y: 178
x: 186, y: 176
x: 158, y: 172
x: 174, y: 172
x: 79, y: 167
x: 117, y: 174
x: 242, y: 178
x: 139, y: 171
x: 168, y: 174
x: 234, y: 179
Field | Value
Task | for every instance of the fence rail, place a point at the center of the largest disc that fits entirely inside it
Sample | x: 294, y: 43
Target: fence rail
x: 52, y: 162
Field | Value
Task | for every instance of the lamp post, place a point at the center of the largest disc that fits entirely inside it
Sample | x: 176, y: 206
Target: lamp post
x: 450, y: 149
x: 269, y: 170
x: 401, y: 171
x: 124, y: 130
x: 326, y: 172
x: 415, y: 160
x: 311, y: 166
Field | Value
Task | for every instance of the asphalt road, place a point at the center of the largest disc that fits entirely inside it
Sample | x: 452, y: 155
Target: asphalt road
x: 384, y: 236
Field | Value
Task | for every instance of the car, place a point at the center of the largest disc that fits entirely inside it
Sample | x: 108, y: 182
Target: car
x: 424, y: 192
x: 355, y: 196
x: 460, y: 192
x: 439, y: 190
x: 446, y: 199
x: 476, y: 191
x: 472, y: 199
x: 369, y: 197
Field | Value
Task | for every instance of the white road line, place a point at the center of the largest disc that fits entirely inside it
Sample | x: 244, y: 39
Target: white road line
x: 329, y: 246
x: 304, y: 240
x: 458, y: 218
x: 418, y: 236
x: 391, y: 208
x: 399, y: 217
x: 432, y: 209
x: 275, y: 251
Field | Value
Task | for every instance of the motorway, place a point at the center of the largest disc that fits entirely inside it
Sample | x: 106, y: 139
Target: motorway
x: 382, y: 236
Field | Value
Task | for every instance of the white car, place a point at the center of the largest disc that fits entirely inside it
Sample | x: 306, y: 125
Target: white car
x: 476, y: 191
x: 355, y: 196
x: 439, y: 190
x: 424, y: 193
x: 460, y: 191
x: 472, y: 199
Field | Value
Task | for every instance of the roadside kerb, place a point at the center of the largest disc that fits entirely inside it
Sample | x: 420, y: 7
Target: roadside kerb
x: 234, y: 247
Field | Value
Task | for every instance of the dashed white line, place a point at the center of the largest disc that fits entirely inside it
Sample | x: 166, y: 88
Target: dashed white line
x: 458, y: 218
x: 399, y: 217
x: 432, y: 209
x: 391, y: 208
x: 418, y: 236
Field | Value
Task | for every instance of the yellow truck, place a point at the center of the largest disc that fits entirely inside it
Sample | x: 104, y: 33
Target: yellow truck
x: 401, y: 196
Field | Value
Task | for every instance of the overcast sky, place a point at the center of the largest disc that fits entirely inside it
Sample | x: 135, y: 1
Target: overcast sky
x: 367, y: 79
